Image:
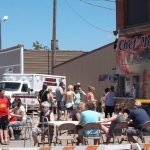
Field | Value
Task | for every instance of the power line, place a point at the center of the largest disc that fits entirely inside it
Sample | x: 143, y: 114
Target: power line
x: 111, y: 9
x: 110, y: 1
x: 86, y: 21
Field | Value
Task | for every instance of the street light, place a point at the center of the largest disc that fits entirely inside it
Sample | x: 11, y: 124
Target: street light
x: 2, y: 20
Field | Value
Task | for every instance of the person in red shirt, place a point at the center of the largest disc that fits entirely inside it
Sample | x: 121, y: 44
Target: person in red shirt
x: 4, y: 112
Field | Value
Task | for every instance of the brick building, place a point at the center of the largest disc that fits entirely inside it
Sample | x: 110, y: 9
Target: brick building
x: 133, y: 47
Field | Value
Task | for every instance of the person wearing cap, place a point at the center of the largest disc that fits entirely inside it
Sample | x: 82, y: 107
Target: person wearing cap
x: 45, y: 113
x: 138, y: 116
x: 4, y: 112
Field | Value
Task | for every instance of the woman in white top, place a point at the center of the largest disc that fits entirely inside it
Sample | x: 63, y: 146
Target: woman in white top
x: 19, y: 113
x: 69, y: 98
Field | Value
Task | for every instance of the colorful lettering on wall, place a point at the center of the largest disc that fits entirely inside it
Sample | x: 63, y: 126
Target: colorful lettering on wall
x: 135, y: 49
x: 140, y: 42
x: 110, y: 78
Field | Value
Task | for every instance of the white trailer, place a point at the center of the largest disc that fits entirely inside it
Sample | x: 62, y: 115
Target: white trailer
x: 20, y: 85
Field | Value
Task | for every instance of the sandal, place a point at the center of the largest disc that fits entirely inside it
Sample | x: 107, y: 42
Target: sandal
x: 5, y: 143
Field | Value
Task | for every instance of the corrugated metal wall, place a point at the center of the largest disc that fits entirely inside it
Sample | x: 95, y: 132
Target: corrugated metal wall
x: 37, y: 61
x: 87, y: 68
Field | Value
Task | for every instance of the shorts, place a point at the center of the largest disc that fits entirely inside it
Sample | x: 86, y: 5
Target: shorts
x: 37, y: 131
x: 132, y: 131
x: 60, y: 105
x: 70, y: 108
x: 88, y: 132
x: 16, y: 124
x: 4, y: 122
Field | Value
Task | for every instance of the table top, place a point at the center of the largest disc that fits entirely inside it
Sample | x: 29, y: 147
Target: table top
x: 58, y: 123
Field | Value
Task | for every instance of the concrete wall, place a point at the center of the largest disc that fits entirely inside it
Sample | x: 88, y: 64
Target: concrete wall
x: 87, y: 68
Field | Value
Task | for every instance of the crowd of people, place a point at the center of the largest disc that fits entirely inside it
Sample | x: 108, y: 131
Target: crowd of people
x: 81, y: 106
x: 71, y: 103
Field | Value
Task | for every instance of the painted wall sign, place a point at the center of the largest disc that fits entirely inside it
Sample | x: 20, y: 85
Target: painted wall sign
x: 137, y: 42
x: 132, y: 50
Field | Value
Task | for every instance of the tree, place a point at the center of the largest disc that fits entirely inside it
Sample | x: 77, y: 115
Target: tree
x: 38, y: 46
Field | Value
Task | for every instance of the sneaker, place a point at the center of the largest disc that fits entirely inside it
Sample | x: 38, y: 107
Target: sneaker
x: 12, y: 138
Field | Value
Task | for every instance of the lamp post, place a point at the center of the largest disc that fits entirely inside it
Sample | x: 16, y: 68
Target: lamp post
x: 2, y: 20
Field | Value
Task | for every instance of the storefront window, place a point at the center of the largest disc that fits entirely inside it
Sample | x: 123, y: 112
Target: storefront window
x: 128, y: 86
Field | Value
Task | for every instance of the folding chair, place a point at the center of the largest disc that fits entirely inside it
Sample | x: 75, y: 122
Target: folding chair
x: 66, y: 132
x: 143, y: 134
x: 28, y: 130
x: 92, y: 126
x: 120, y: 132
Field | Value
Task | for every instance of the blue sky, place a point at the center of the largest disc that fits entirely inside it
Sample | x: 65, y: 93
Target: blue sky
x: 78, y: 23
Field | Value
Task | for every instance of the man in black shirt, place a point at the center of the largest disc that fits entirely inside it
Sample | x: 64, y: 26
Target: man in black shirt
x: 43, y: 94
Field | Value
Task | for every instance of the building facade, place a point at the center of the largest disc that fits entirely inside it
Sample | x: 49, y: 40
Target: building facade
x: 133, y: 47
x: 96, y: 68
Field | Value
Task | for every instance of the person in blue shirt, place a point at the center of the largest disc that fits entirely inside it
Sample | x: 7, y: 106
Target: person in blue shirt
x: 89, y: 116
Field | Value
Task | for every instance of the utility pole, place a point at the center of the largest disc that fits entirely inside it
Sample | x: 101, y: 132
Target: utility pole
x: 54, y: 36
x: 48, y: 61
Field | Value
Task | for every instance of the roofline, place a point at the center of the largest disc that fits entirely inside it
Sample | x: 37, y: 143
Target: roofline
x: 86, y: 53
x: 41, y: 50
x: 12, y: 48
